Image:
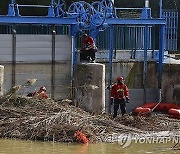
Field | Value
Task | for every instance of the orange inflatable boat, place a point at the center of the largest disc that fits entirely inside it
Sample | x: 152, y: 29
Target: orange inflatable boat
x: 161, y: 107
x: 174, y: 113
x: 142, y: 111
x: 146, y: 109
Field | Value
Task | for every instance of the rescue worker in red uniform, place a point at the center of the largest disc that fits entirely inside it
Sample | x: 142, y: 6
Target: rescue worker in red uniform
x: 41, y: 94
x: 119, y: 96
x: 87, y: 53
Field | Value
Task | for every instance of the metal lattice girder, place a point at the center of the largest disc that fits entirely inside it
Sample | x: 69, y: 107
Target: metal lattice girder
x: 84, y: 13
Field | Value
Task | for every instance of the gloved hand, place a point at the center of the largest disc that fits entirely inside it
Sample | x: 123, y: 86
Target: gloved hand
x: 112, y: 100
x: 127, y: 100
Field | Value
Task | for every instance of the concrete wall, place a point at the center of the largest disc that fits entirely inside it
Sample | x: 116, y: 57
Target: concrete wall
x: 33, y: 59
x: 43, y: 74
x: 1, y: 79
x: 35, y: 48
x: 89, y: 87
x: 133, y: 75
x: 126, y: 55
x: 171, y: 83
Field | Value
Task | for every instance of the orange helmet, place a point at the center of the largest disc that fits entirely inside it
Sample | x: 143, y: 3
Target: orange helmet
x: 120, y: 78
x: 42, y: 88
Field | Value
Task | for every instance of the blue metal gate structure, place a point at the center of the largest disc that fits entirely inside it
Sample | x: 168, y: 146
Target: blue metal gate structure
x: 129, y: 37
x: 171, y: 17
x: 126, y: 38
x: 94, y: 18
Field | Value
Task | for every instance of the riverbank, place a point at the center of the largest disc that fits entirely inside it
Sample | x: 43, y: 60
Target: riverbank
x: 49, y: 120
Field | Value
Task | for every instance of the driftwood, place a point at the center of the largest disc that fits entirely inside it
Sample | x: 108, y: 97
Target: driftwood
x: 30, y: 118
x: 49, y: 120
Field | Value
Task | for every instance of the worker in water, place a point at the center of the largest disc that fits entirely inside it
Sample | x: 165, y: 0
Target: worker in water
x: 87, y: 53
x: 41, y: 94
x: 119, y: 96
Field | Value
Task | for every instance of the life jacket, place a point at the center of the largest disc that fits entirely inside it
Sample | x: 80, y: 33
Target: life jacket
x: 40, y: 94
x: 89, y: 43
x: 119, y: 91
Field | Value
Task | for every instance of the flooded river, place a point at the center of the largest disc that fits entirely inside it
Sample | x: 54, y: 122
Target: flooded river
x: 8, y: 146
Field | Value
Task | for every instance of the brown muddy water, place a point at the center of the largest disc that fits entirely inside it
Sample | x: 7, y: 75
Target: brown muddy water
x: 8, y: 146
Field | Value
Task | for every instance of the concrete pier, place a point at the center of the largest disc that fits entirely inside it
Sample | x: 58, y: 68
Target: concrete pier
x: 89, y: 84
x: 1, y: 79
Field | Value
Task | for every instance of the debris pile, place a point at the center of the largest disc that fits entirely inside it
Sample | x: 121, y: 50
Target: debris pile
x: 49, y: 120
x: 156, y: 122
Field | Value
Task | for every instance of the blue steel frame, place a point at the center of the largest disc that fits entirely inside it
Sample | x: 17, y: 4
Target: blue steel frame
x: 76, y: 26
x: 171, y: 17
x: 145, y: 60
x: 146, y: 23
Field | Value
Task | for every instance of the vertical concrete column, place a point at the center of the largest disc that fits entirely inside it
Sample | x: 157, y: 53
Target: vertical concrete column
x: 13, y: 57
x: 1, y: 79
x: 53, y: 61
x: 89, y: 81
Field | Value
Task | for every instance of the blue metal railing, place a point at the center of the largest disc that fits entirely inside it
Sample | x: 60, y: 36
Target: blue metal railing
x: 171, y: 29
x: 34, y: 29
x: 125, y: 38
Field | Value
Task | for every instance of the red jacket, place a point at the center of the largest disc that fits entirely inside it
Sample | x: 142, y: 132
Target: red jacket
x: 119, y: 91
x: 40, y: 94
x: 88, y: 41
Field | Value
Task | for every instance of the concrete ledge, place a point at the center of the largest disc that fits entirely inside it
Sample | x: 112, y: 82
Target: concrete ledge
x: 137, y: 55
x: 89, y: 84
x: 1, y: 79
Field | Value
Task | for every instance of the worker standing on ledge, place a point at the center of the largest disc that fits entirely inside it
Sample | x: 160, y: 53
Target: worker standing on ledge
x: 119, y: 96
x: 87, y: 53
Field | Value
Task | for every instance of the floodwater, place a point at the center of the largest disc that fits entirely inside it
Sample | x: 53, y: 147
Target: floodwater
x: 8, y: 146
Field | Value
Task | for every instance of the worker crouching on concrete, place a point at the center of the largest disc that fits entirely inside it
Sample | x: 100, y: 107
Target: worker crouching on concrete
x: 119, y: 96
x: 87, y: 53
